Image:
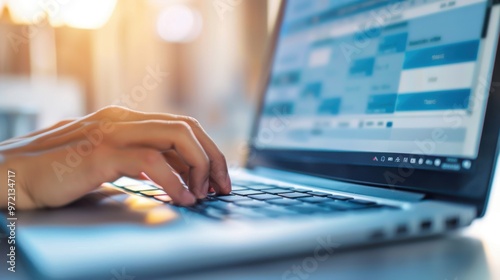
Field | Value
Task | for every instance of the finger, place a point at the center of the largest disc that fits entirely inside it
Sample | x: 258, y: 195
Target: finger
x: 218, y: 166
x: 38, y: 132
x: 219, y: 175
x: 133, y: 162
x: 164, y: 136
x: 178, y: 165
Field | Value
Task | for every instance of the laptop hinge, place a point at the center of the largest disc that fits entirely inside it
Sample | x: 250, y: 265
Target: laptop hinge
x: 355, y: 188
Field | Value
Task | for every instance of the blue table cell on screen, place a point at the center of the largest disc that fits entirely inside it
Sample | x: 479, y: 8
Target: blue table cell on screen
x: 312, y: 90
x: 362, y: 67
x: 438, y: 100
x: 330, y: 106
x: 442, y: 55
x: 393, y: 44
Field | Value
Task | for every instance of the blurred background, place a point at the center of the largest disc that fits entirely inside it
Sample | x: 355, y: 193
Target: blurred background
x: 66, y: 58
x: 205, y: 58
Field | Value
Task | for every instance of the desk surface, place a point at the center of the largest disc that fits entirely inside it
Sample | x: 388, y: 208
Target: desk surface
x: 473, y: 253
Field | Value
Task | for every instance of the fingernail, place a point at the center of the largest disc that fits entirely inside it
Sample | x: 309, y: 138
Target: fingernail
x: 188, y: 198
x: 228, y: 183
x: 204, y: 191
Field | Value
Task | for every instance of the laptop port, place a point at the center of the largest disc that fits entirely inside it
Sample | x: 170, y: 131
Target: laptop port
x: 452, y: 223
x: 401, y: 230
x: 425, y: 225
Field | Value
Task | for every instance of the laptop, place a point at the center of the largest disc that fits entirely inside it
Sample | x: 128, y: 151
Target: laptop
x: 378, y: 123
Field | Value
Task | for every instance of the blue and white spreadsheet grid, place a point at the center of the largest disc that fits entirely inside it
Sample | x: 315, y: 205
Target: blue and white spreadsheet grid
x: 348, y: 73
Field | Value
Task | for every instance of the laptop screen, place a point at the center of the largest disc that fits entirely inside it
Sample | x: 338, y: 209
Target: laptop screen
x: 381, y: 82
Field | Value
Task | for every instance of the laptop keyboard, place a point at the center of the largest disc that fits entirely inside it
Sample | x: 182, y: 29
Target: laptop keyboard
x: 254, y: 200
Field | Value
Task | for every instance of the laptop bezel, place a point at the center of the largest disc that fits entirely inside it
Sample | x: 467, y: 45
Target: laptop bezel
x: 461, y: 187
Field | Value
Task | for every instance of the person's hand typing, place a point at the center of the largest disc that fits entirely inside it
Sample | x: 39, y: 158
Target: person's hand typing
x: 60, y: 164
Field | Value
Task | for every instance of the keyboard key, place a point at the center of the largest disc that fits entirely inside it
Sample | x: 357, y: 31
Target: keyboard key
x: 238, y: 188
x: 320, y: 194
x: 153, y: 193
x: 247, y: 192
x: 284, y: 201
x: 252, y: 203
x: 232, y: 198
x: 277, y: 191
x: 163, y: 198
x: 340, y: 197
x: 148, y: 182
x: 264, y: 196
x: 260, y: 187
x: 140, y: 188
x: 125, y: 181
x: 315, y: 199
x: 295, y: 195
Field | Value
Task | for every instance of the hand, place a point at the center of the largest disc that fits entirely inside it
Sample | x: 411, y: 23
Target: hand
x: 60, y: 164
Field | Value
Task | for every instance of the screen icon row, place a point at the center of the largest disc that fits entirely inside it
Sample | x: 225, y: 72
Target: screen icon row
x: 426, y: 162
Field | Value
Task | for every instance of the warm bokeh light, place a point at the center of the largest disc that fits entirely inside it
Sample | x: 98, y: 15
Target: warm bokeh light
x: 139, y: 203
x: 87, y: 14
x: 84, y: 14
x: 26, y: 11
x: 160, y: 215
x: 178, y: 24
